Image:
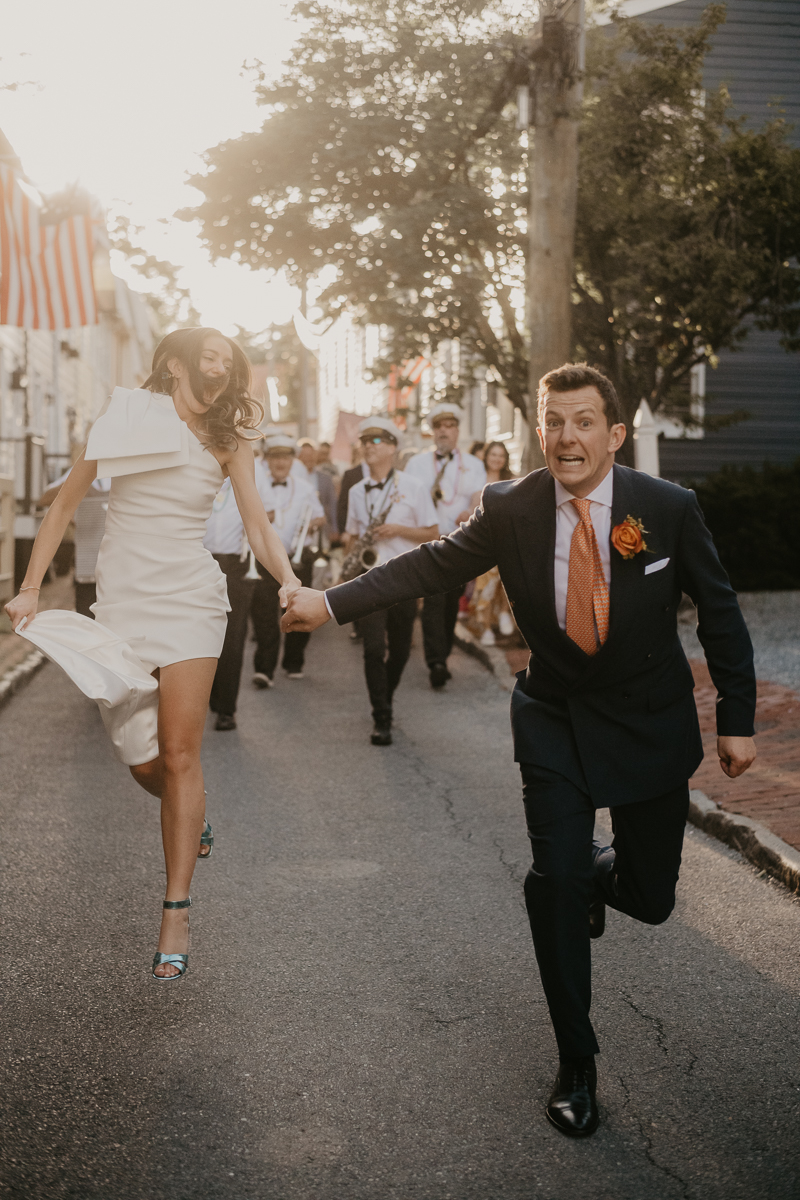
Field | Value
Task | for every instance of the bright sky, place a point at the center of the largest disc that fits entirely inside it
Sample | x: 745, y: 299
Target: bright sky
x: 127, y: 95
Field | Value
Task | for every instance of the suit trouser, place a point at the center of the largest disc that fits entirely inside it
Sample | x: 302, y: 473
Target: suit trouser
x: 439, y: 616
x: 391, y: 629
x: 639, y: 879
x: 266, y: 613
x: 225, y: 687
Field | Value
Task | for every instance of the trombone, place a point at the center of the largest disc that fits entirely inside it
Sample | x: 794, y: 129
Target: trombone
x: 302, y: 534
x: 252, y: 570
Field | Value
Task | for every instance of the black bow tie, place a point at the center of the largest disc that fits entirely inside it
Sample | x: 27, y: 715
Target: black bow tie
x: 279, y: 483
x: 446, y: 454
x: 371, y: 487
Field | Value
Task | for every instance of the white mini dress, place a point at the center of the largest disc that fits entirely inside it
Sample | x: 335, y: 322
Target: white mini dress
x: 161, y: 596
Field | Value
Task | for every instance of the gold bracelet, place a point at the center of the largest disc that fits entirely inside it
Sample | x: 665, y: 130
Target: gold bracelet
x: 29, y: 589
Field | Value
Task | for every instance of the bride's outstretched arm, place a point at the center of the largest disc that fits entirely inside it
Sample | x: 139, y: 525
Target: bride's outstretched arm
x: 48, y: 539
x: 264, y: 541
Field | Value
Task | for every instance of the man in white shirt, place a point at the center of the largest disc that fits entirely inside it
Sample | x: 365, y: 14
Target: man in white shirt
x: 305, y: 467
x: 452, y: 477
x: 292, y: 500
x: 226, y: 541
x: 406, y: 517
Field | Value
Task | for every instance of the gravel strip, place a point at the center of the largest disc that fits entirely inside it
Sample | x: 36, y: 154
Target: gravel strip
x: 773, y: 619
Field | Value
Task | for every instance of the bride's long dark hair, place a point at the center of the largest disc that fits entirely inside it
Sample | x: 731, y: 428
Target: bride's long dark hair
x: 234, y: 412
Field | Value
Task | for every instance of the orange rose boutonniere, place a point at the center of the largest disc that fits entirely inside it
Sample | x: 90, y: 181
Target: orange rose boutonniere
x: 627, y: 537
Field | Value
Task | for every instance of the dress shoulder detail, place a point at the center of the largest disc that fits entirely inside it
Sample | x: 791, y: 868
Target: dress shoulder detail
x: 139, y: 431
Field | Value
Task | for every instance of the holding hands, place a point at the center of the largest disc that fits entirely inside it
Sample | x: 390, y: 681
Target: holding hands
x: 306, y: 611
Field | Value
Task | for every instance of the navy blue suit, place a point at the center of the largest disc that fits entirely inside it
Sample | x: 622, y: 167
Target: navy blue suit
x: 616, y: 729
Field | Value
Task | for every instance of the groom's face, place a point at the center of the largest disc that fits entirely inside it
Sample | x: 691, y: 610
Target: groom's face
x: 577, y: 442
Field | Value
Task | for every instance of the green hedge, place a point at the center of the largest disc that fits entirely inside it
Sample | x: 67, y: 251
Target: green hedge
x: 754, y: 517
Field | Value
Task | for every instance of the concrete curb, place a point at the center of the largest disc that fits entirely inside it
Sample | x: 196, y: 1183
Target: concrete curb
x: 492, y: 657
x: 18, y: 676
x: 753, y: 840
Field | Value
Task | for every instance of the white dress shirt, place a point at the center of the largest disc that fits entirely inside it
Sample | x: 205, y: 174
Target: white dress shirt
x: 410, y: 504
x: 288, y: 501
x: 225, y: 529
x: 463, y: 476
x: 566, y: 521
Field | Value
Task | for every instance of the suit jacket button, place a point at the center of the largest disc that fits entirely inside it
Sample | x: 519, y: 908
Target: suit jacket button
x: 647, y: 656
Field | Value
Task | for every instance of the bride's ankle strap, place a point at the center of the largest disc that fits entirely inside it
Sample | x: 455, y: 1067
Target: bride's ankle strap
x: 187, y: 903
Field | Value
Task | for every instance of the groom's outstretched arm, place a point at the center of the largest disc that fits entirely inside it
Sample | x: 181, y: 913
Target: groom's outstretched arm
x: 428, y: 570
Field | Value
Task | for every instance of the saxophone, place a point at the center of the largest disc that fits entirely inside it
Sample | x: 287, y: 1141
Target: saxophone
x: 362, y: 554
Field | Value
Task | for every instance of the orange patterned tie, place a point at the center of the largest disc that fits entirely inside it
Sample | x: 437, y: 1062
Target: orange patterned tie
x: 587, y: 590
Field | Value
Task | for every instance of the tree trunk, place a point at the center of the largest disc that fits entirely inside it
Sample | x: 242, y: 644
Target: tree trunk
x: 557, y: 94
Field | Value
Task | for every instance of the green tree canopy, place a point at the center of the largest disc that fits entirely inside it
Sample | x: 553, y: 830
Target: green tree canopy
x: 688, y: 224
x: 390, y: 155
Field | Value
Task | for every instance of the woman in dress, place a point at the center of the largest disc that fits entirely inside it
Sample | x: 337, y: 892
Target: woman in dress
x: 489, y: 613
x: 167, y: 448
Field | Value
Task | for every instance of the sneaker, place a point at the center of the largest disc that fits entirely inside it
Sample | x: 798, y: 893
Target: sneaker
x: 225, y: 721
x: 295, y: 675
x: 439, y: 675
x: 262, y: 681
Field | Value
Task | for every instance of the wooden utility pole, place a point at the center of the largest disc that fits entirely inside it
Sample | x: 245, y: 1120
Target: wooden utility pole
x: 556, y: 93
x: 303, y: 422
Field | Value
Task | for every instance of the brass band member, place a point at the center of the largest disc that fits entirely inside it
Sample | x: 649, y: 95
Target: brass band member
x: 399, y: 513
x: 452, y: 476
x: 295, y: 506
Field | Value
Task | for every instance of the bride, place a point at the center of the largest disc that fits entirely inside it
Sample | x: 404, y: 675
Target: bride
x: 167, y: 448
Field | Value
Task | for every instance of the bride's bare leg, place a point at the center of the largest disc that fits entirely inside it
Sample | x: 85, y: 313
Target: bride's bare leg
x: 177, y: 777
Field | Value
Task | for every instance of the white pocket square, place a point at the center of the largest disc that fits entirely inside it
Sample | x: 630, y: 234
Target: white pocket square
x: 656, y: 566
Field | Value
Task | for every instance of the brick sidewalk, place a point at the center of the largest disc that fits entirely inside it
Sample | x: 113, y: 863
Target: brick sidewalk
x: 770, y: 791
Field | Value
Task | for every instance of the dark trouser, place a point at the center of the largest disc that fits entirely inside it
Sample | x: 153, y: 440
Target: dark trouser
x: 392, y: 628
x: 225, y: 687
x: 266, y: 612
x: 85, y: 595
x: 439, y: 615
x: 561, y: 884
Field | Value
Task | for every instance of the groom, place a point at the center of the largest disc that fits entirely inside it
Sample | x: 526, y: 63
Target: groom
x: 594, y: 558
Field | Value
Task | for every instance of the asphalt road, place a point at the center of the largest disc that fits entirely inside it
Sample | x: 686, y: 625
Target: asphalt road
x: 362, y: 1018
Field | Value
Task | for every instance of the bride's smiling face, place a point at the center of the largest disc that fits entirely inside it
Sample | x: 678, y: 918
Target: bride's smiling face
x: 200, y: 386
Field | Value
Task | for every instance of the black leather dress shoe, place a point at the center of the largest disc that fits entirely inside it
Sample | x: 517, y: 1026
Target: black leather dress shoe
x: 225, y: 722
x: 597, y: 919
x: 572, y: 1106
x: 439, y: 675
x: 382, y: 735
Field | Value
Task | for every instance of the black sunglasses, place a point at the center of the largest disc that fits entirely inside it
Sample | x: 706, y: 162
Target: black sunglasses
x: 376, y: 439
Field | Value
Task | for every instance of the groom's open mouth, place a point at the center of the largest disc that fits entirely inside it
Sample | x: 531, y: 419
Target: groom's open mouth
x: 570, y: 460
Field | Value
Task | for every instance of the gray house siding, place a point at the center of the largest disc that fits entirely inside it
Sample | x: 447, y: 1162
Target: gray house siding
x: 756, y: 54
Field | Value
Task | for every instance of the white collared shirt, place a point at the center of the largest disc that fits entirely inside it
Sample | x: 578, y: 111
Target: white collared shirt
x: 288, y: 502
x: 462, y: 477
x: 225, y: 530
x: 566, y: 521
x: 409, y: 503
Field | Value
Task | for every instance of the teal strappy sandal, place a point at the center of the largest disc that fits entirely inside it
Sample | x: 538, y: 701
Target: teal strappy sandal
x: 207, y: 839
x: 181, y: 961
